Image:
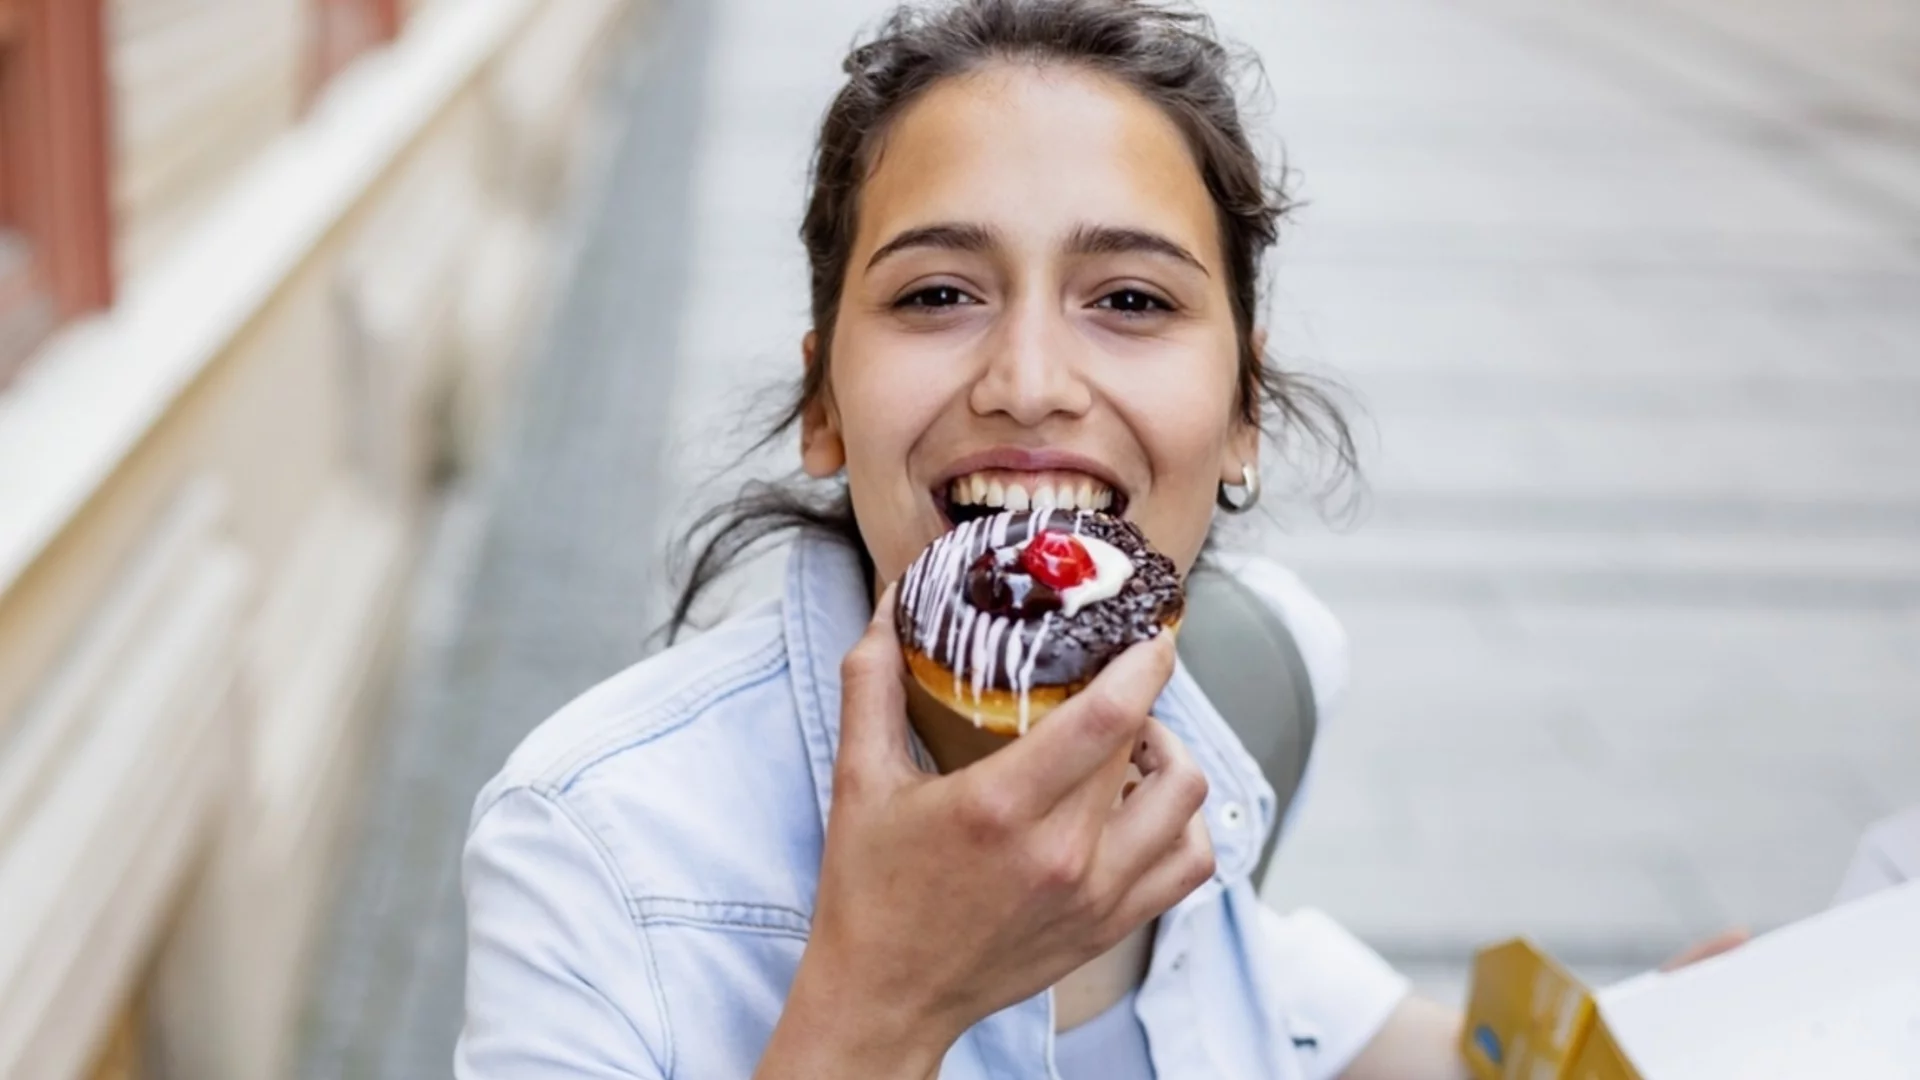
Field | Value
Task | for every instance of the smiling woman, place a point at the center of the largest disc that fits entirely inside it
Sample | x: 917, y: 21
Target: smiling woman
x: 1035, y: 230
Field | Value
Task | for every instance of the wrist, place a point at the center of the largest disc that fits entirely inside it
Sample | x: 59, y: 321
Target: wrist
x: 830, y: 1027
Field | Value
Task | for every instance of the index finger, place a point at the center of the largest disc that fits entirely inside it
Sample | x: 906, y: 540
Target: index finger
x: 1083, y: 734
x: 873, y: 700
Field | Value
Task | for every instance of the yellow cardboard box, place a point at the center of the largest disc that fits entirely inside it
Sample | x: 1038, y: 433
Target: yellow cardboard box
x: 1833, y: 997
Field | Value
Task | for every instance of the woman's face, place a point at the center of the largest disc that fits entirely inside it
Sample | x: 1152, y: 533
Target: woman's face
x: 1035, y: 310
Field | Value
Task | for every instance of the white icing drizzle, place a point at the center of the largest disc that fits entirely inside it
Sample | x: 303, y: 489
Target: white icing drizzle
x: 1013, y: 662
x: 963, y: 617
x: 914, y: 573
x: 979, y: 646
x: 999, y: 625
x: 977, y: 653
x: 941, y: 585
x: 1023, y: 683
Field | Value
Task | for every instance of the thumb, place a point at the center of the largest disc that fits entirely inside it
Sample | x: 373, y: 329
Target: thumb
x: 873, y: 702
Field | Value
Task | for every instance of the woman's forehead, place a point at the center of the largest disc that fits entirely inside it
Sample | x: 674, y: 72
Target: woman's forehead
x: 1034, y: 153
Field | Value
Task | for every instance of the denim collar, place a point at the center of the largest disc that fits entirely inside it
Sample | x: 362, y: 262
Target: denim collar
x: 826, y: 609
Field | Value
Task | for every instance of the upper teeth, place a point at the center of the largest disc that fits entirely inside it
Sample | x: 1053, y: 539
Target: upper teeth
x: 1060, y: 492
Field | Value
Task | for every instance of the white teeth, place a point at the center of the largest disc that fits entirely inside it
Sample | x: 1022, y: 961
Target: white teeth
x: 979, y: 489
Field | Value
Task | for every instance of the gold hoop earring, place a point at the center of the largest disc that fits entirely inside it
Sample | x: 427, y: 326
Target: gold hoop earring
x: 1249, y: 482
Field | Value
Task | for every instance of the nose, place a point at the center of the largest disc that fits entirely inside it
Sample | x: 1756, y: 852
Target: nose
x: 1032, y: 369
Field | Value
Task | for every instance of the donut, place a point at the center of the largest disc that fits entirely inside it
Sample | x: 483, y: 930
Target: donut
x: 1005, y: 617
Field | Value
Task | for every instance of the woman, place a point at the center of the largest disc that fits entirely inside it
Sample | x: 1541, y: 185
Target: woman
x: 1035, y: 229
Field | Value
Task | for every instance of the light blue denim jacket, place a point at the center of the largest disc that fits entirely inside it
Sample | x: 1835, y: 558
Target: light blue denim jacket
x: 640, y: 876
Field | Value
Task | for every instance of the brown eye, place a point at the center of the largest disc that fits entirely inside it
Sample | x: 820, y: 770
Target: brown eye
x: 934, y: 297
x: 1133, y: 302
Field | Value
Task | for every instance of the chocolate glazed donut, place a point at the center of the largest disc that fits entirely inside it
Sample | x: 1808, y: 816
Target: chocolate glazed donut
x: 1007, y: 616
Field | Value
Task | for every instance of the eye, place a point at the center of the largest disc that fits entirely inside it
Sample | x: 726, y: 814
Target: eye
x: 933, y: 298
x: 1132, y: 302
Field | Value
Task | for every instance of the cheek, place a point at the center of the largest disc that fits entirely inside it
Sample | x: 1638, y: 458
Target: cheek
x: 1184, y: 427
x: 1178, y: 512
x: 886, y: 404
x: 885, y: 409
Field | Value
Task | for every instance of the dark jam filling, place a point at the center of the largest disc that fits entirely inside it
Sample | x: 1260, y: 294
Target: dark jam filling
x: 998, y: 583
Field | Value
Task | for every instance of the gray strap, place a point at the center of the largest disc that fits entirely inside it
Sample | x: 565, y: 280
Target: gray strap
x: 1245, y: 659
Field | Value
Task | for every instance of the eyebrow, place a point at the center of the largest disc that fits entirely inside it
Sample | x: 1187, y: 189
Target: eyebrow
x: 945, y: 237
x: 1085, y: 240
x: 1108, y: 240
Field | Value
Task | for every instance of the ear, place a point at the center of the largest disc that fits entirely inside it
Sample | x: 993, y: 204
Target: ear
x: 822, y: 453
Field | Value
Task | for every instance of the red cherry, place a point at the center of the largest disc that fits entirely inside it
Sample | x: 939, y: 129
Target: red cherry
x: 1058, y: 559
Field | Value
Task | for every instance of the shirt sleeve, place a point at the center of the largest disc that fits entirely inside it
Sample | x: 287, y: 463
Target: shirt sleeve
x: 558, y: 980
x: 1335, y: 993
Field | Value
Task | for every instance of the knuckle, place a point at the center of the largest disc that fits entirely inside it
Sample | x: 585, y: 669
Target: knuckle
x: 850, y: 780
x: 1109, y: 933
x: 1189, y: 786
x: 1202, y: 870
x: 1059, y: 865
x: 862, y: 661
x: 1161, y: 661
x: 989, y: 814
x: 1106, y: 715
x: 1197, y: 864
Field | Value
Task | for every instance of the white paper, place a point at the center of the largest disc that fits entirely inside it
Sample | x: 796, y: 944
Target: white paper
x: 1833, y: 997
x: 1889, y: 854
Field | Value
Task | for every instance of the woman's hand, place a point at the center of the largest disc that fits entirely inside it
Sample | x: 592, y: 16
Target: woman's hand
x: 943, y: 899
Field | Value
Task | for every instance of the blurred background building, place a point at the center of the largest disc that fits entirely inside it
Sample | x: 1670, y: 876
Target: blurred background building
x: 294, y: 547
x: 265, y: 269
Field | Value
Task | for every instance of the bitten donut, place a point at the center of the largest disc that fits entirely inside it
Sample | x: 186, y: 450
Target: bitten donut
x: 1007, y: 616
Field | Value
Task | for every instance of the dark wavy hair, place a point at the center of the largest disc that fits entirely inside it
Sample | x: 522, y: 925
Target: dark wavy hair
x: 1170, y: 55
